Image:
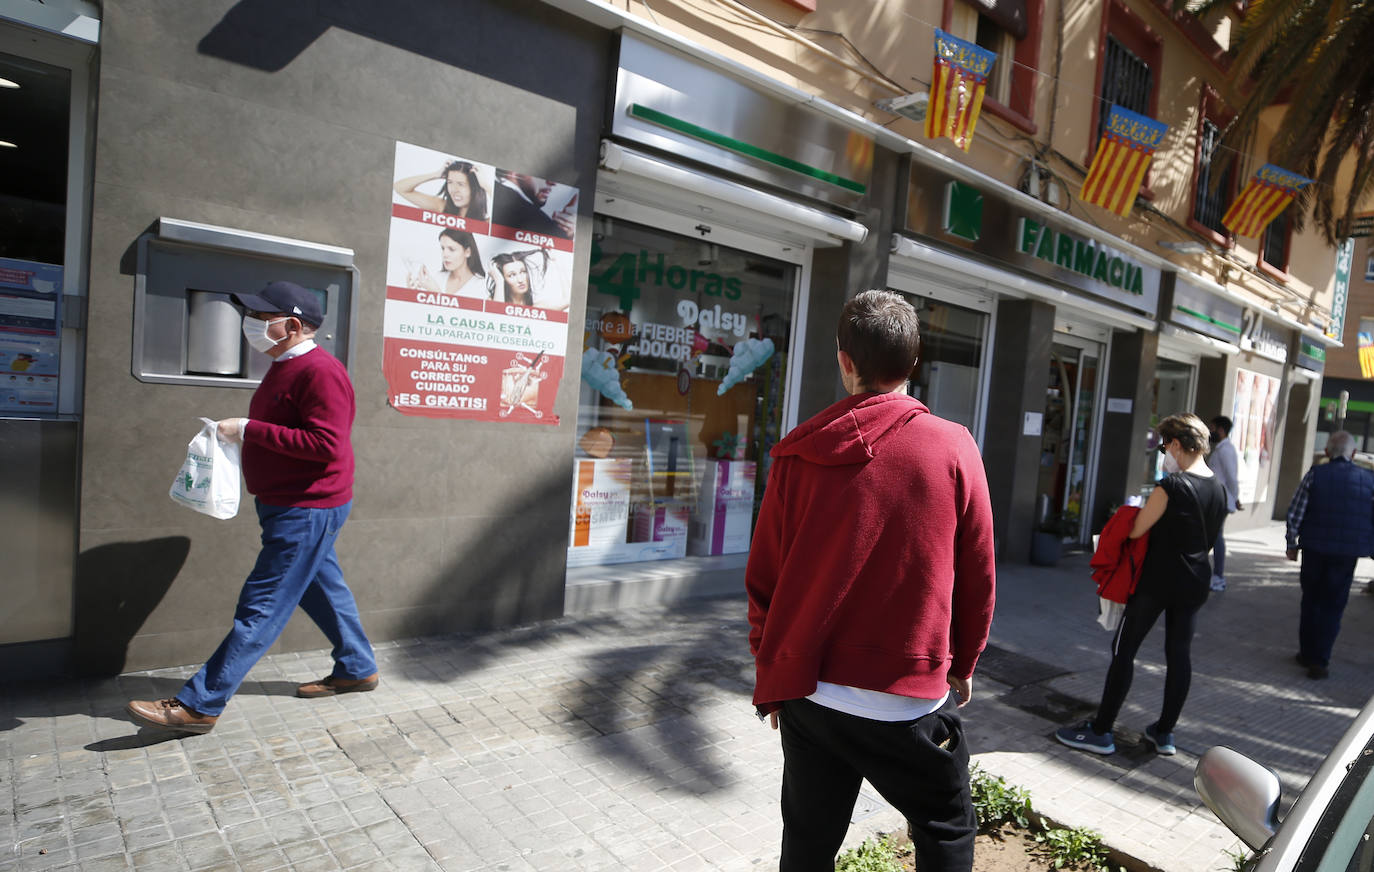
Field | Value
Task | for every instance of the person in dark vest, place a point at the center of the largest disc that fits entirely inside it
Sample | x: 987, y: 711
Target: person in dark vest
x: 1331, y: 520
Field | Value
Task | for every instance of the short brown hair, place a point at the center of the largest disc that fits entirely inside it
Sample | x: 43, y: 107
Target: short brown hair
x: 881, y: 333
x: 1192, y: 435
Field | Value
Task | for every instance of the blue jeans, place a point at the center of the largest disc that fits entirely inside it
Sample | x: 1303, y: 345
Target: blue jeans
x: 296, y: 566
x: 1325, y: 580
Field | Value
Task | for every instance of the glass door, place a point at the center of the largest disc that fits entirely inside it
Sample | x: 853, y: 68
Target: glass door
x: 1068, y: 436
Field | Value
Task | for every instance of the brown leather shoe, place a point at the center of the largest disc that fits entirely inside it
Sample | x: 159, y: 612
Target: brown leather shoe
x: 170, y: 714
x: 331, y: 685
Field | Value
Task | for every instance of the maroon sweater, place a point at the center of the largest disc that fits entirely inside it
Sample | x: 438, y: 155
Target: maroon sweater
x: 296, y: 448
x: 872, y: 561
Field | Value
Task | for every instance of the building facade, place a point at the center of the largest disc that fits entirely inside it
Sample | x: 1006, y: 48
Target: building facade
x: 583, y: 262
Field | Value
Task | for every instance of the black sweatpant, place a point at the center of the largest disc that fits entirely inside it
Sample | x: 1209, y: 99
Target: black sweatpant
x: 1142, y: 610
x: 920, y: 767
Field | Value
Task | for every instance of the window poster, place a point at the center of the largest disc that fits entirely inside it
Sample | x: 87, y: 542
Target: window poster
x: 1254, y: 415
x: 479, y: 278
x: 30, y: 331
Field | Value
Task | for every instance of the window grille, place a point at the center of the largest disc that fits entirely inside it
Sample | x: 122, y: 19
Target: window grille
x: 1126, y: 81
x: 1210, y: 202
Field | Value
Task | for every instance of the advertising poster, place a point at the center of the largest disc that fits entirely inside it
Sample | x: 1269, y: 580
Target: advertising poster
x: 30, y: 331
x: 479, y: 277
x: 1254, y: 413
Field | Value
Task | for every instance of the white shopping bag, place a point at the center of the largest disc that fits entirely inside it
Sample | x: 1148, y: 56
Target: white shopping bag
x: 209, y: 479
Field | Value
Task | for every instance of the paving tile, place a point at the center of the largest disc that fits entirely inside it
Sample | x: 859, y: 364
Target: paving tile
x: 626, y: 741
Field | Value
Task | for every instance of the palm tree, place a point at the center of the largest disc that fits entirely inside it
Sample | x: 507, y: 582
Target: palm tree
x: 1317, y: 56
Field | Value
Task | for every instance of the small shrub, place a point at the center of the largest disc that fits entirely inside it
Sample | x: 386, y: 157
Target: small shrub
x: 874, y: 855
x: 1078, y: 848
x: 998, y: 802
x: 1240, y: 860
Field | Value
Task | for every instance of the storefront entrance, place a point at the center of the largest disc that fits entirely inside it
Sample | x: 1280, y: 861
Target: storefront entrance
x: 44, y: 146
x: 1068, y: 443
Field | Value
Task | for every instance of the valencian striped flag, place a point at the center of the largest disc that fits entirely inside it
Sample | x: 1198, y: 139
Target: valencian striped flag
x: 1264, y: 197
x: 1128, y: 144
x: 956, y: 89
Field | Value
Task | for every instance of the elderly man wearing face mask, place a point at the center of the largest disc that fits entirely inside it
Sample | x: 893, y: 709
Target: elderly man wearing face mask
x: 298, y: 463
x: 1331, y: 520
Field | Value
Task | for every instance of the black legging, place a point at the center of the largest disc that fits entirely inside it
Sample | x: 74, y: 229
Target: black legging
x: 1142, y: 610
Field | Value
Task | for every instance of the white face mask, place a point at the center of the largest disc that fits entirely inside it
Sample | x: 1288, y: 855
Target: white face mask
x: 255, y: 331
x: 1170, y: 464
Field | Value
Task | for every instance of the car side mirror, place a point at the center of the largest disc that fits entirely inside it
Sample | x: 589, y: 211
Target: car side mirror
x: 1242, y: 793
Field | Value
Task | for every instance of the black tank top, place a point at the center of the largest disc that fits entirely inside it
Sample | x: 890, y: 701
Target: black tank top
x: 1176, y: 564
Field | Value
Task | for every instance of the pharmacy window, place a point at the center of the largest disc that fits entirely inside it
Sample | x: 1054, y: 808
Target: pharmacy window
x: 682, y: 395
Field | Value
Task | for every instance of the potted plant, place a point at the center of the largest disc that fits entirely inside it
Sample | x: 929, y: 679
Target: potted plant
x: 1047, y: 540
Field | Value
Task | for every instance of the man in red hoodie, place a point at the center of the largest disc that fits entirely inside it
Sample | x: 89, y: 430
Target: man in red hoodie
x: 871, y: 583
x: 298, y: 462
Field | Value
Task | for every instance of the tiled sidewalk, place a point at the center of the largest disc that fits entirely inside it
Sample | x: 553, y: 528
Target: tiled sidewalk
x: 626, y: 741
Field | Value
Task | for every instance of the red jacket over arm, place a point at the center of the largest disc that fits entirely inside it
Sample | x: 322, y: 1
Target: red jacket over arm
x: 1117, y: 562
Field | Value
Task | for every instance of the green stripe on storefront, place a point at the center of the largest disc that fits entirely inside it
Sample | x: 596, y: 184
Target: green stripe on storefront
x: 1351, y: 405
x: 739, y: 146
x: 1210, y: 320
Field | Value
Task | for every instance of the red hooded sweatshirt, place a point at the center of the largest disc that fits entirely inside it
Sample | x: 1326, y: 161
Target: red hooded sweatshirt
x: 872, y: 562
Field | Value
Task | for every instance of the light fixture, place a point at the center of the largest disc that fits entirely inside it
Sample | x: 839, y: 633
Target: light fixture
x: 911, y: 106
x: 1189, y: 246
x: 8, y: 83
x: 4, y: 143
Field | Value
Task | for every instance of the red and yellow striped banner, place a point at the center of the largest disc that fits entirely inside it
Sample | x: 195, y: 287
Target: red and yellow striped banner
x: 956, y: 89
x: 1264, y: 197
x: 1128, y: 144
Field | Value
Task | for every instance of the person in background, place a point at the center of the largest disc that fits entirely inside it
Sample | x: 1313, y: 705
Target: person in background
x: 1182, y: 516
x: 1224, y: 463
x: 298, y: 462
x: 1331, y: 521
x: 871, y: 585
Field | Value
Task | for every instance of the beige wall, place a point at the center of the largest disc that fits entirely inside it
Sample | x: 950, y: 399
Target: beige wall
x: 896, y: 37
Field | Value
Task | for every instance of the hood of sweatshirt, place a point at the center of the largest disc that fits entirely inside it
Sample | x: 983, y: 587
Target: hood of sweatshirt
x: 851, y: 431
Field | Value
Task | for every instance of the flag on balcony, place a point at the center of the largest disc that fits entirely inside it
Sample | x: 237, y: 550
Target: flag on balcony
x: 1264, y: 197
x: 956, y: 88
x: 1124, y: 152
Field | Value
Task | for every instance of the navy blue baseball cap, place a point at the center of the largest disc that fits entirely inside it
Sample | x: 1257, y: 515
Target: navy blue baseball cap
x: 285, y: 297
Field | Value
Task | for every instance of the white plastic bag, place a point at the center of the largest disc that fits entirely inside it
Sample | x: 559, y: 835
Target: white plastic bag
x: 1109, y: 613
x: 209, y: 479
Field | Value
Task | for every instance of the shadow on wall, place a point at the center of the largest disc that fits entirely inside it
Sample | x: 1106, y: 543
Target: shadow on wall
x: 117, y: 588
x: 513, y: 569
x: 264, y: 34
x: 269, y: 35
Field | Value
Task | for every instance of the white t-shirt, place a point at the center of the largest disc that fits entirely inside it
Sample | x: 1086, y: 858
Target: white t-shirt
x: 874, y: 704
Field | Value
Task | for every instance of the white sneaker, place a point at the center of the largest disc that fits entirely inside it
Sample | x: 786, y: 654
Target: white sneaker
x: 1218, y: 583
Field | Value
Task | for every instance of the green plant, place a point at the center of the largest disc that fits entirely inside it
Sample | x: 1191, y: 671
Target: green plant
x: 874, y: 855
x: 1240, y: 860
x: 997, y: 801
x: 1078, y: 848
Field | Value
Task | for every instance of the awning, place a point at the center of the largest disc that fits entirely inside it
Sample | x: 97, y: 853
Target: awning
x: 821, y: 226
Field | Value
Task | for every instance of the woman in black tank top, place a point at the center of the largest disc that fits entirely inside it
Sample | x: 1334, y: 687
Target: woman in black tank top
x: 1182, y: 516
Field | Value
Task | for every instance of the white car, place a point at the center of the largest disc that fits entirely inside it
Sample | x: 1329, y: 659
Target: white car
x: 1331, y: 826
